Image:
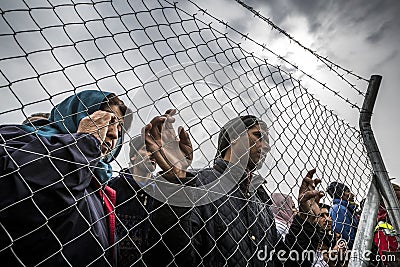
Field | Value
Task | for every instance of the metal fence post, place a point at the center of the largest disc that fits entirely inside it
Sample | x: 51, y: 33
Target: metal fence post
x: 365, y: 230
x: 363, y: 242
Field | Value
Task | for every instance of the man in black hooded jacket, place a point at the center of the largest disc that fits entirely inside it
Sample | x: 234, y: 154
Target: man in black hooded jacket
x: 229, y: 223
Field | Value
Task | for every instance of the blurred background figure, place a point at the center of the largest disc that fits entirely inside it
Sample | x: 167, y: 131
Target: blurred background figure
x: 134, y: 205
x: 343, y: 212
x: 284, y: 210
x: 385, y: 236
x: 325, y: 220
x: 35, y: 117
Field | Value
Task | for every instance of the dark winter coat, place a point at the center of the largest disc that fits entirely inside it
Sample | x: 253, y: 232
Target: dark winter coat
x: 133, y: 208
x: 52, y: 211
x: 49, y: 210
x: 237, y: 229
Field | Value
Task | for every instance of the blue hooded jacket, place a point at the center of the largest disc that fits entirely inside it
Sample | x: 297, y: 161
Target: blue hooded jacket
x: 50, y: 209
x: 344, y: 220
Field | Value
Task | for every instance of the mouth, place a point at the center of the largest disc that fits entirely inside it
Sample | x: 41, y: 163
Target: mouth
x: 153, y: 162
x: 262, y: 155
x: 106, y: 147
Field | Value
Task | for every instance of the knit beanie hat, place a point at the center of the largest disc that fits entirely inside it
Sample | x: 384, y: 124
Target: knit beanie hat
x: 234, y: 129
x: 336, y: 189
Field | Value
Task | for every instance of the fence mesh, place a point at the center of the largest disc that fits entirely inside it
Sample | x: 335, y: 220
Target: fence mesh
x: 154, y: 55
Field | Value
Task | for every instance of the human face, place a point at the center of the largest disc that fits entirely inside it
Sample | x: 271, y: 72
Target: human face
x: 258, y: 146
x: 144, y: 161
x: 114, y: 129
x: 348, y: 196
x: 324, y: 220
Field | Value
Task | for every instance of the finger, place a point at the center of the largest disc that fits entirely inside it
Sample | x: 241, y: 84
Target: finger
x: 146, y: 130
x: 150, y: 141
x: 157, y: 124
x: 101, y: 118
x: 168, y: 124
x: 183, y: 135
x: 170, y: 112
x: 101, y: 114
x: 153, y: 147
x: 185, y: 144
x: 310, y: 173
x: 306, y: 184
x: 169, y: 115
x: 317, y: 181
x: 309, y: 195
x: 157, y: 120
x: 318, y: 197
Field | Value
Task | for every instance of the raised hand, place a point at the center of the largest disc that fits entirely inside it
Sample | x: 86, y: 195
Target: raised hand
x: 97, y: 124
x: 309, y: 197
x: 172, y: 152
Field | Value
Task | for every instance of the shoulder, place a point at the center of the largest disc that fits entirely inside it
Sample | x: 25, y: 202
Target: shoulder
x: 121, y: 180
x: 15, y: 137
x: 336, y: 206
x: 205, y: 176
x: 10, y: 131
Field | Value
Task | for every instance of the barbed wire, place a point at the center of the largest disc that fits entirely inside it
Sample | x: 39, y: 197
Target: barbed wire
x: 247, y: 37
x: 330, y: 64
x: 177, y: 61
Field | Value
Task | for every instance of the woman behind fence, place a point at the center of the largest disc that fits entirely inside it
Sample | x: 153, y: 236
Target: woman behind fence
x: 55, y: 209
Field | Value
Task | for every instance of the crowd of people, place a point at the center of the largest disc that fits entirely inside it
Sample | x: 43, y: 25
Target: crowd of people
x: 61, y: 203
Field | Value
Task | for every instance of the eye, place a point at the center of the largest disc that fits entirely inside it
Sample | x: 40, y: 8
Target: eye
x: 258, y: 135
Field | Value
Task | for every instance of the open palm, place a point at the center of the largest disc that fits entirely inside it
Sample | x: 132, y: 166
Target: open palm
x: 172, y: 152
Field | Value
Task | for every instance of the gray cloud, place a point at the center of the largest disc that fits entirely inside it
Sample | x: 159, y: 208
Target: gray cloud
x: 380, y: 33
x: 342, y: 13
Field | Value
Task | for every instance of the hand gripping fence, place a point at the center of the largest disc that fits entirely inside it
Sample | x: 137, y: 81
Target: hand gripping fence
x: 55, y: 206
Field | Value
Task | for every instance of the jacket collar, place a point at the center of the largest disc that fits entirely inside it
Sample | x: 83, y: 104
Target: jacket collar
x: 235, y: 171
x: 126, y: 173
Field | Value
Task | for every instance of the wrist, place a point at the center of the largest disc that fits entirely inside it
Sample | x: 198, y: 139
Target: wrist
x: 307, y: 216
x: 173, y: 175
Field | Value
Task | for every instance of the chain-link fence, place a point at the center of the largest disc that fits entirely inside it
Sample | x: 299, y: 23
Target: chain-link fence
x: 155, y: 56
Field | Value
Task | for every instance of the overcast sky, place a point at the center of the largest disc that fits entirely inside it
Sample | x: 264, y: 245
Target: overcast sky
x: 362, y: 36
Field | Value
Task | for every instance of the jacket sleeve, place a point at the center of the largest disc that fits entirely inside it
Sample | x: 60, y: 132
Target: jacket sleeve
x: 172, y: 234
x: 300, y: 243
x: 31, y: 163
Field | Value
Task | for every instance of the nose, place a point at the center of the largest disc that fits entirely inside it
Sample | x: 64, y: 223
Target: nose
x: 265, y: 146
x: 112, y: 131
